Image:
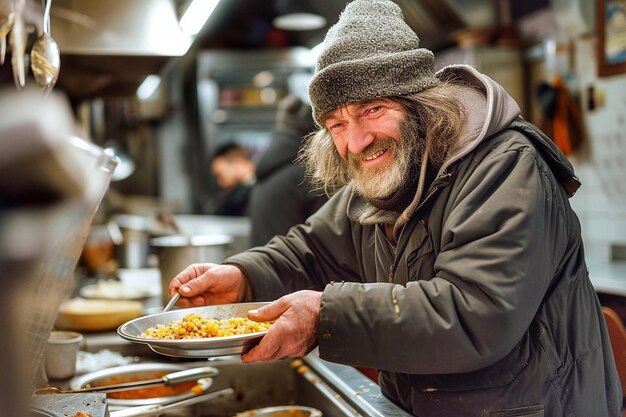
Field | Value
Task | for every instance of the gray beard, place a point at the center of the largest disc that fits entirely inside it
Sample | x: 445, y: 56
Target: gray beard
x: 382, y: 183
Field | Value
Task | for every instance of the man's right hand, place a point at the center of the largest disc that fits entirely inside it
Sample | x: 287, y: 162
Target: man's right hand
x: 208, y: 284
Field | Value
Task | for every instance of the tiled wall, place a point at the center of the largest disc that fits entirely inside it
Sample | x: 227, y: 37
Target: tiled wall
x: 601, y: 165
x: 603, y: 220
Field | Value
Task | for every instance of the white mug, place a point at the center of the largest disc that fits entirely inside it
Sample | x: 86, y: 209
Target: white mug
x: 61, y: 352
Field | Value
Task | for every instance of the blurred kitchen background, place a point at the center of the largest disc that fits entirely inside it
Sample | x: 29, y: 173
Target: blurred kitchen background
x: 140, y: 81
x: 166, y: 98
x: 160, y: 84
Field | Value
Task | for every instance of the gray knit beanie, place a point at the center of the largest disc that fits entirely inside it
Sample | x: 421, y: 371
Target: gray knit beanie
x: 369, y: 53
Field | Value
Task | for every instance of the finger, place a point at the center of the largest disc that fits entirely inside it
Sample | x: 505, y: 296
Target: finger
x: 267, y: 349
x: 186, y: 275
x: 269, y: 312
x: 201, y: 283
x: 195, y: 301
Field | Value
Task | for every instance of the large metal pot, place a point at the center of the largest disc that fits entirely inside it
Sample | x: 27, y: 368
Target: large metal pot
x: 177, y: 252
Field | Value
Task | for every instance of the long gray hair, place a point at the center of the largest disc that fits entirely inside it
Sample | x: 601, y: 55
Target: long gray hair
x: 437, y: 116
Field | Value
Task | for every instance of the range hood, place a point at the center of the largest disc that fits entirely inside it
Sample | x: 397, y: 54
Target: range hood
x: 108, y: 47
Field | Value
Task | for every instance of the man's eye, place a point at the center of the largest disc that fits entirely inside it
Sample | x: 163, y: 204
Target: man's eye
x: 335, y: 126
x: 374, y: 109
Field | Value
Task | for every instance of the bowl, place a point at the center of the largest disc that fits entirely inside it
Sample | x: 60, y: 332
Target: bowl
x: 96, y: 315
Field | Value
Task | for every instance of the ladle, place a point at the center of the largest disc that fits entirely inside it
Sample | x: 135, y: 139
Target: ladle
x: 45, y: 57
x: 199, y: 374
x: 172, y: 301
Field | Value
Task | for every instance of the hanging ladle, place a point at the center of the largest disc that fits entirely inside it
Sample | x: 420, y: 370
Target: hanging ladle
x: 45, y: 57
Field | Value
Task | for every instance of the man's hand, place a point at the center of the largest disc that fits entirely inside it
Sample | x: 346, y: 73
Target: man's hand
x: 294, y: 331
x: 208, y: 284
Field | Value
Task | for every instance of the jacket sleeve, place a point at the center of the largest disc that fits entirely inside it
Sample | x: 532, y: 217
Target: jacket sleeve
x: 502, y: 238
x: 309, y: 256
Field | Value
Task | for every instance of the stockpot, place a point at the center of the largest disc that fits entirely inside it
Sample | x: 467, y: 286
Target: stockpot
x: 176, y: 252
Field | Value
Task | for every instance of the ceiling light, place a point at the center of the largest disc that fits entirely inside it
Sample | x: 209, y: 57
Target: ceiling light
x: 299, y: 21
x: 196, y: 15
x: 263, y: 79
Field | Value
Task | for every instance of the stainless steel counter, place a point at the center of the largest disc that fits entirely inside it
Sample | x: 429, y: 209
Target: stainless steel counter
x: 337, y: 390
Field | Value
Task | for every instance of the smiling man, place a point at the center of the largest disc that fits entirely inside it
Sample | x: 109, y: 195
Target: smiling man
x: 448, y: 258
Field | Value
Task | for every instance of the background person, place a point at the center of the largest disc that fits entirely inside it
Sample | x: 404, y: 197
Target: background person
x: 449, y: 258
x: 282, y: 197
x: 233, y: 169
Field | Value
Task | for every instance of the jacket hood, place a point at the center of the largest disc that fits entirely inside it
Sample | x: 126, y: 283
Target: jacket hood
x: 283, y: 150
x: 489, y: 109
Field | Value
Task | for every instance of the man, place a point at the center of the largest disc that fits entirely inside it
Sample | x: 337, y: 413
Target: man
x: 233, y: 169
x: 451, y: 260
x: 280, y: 180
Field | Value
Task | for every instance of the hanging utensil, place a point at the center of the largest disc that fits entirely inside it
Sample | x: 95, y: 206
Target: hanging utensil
x: 18, y: 37
x: 45, y: 56
x: 6, y: 23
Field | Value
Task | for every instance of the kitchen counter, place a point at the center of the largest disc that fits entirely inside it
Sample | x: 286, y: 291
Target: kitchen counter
x: 352, y: 393
x: 608, y: 277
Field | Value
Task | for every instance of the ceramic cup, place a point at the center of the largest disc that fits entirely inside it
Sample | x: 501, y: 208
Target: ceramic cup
x: 61, y: 352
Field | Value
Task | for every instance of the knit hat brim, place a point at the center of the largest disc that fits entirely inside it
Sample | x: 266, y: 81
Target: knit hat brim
x: 394, y: 74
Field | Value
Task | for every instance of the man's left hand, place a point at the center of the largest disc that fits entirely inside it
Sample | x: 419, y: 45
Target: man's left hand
x: 294, y: 331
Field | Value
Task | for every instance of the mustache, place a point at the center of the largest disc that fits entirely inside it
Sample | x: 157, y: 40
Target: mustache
x: 382, y: 144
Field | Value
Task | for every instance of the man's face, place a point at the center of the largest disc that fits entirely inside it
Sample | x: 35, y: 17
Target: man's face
x: 226, y: 173
x: 370, y: 139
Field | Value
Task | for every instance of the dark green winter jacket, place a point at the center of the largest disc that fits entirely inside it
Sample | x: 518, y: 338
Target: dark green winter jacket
x: 484, y: 306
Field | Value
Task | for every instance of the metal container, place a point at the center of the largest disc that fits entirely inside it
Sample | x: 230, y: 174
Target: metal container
x: 131, y: 246
x: 177, y: 252
x: 282, y: 411
x: 128, y: 373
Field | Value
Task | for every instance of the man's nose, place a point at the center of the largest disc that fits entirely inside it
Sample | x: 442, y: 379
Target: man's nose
x: 359, y: 138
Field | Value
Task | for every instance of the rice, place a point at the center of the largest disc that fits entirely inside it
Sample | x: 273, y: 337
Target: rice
x: 196, y: 326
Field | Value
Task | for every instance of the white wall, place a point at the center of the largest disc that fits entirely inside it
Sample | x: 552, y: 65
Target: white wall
x: 601, y: 201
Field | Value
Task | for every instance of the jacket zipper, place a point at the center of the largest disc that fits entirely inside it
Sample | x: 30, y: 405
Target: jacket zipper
x: 394, y: 262
x: 392, y: 267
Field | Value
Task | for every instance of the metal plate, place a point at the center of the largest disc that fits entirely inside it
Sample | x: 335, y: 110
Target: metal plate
x: 195, y: 348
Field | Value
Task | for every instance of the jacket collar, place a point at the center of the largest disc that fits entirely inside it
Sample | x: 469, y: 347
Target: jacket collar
x: 489, y: 109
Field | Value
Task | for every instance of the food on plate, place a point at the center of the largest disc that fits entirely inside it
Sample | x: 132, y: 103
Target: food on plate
x: 196, y: 326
